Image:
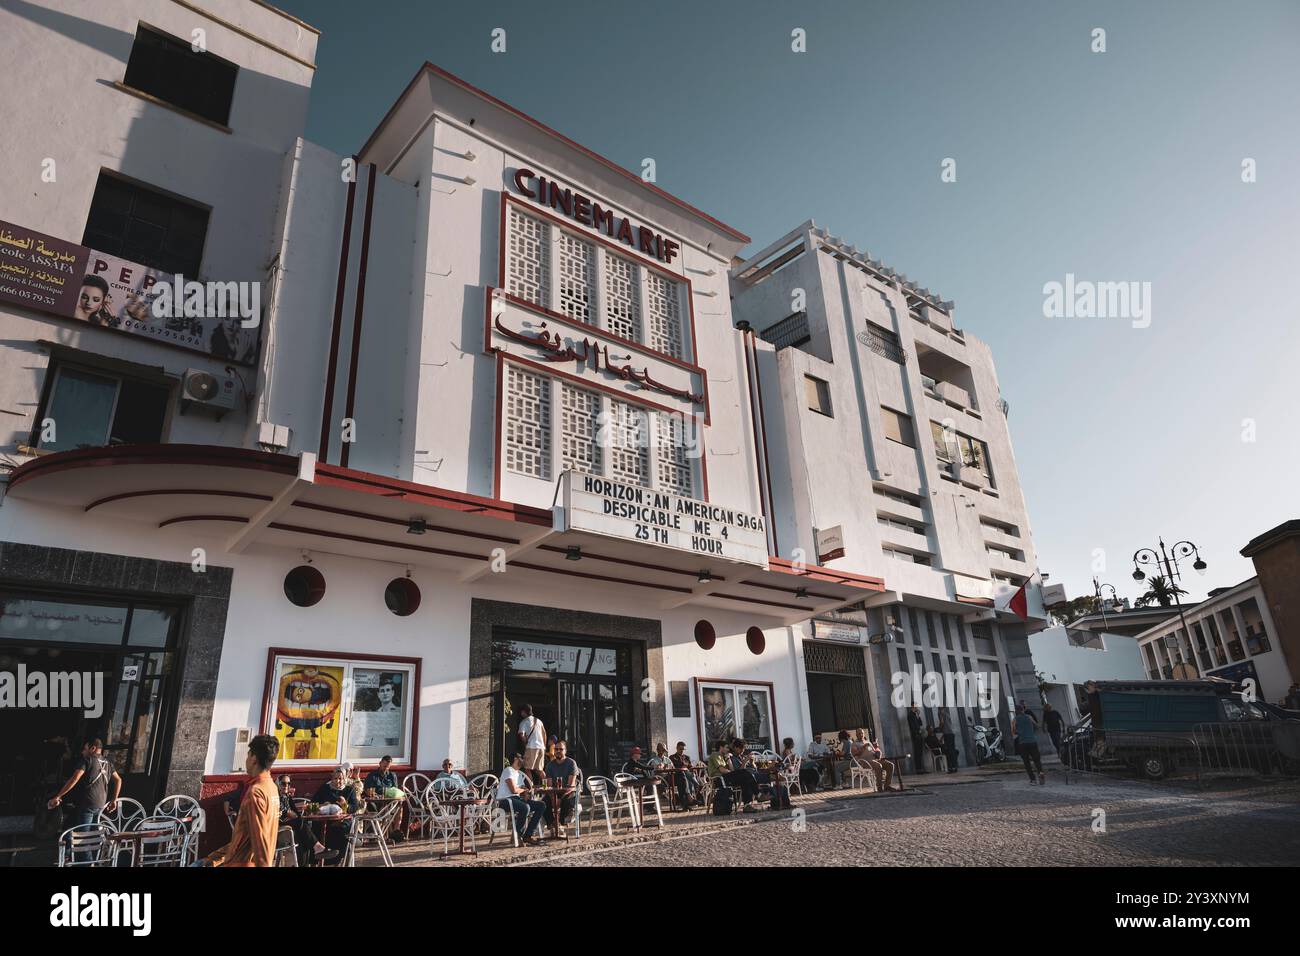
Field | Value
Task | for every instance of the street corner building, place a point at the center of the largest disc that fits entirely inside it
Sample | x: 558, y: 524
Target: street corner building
x: 471, y: 420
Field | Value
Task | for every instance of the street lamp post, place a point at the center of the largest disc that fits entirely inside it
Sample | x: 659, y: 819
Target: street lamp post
x: 1101, y: 601
x: 1168, y: 561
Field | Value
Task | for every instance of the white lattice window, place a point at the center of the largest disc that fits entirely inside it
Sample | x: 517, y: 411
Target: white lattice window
x: 673, y: 463
x: 629, y: 452
x: 579, y: 430
x: 576, y: 265
x: 664, y: 307
x: 622, y: 301
x: 528, y: 244
x: 528, y: 423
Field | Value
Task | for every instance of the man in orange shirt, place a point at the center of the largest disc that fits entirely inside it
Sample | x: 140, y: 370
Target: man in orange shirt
x: 258, y: 823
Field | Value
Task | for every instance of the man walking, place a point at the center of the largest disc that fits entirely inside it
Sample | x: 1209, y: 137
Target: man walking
x: 532, y: 738
x: 914, y: 728
x: 253, y: 841
x: 1023, y: 729
x: 91, y: 778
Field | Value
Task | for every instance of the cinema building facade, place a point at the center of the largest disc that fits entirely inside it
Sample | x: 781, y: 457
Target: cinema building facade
x: 493, y: 439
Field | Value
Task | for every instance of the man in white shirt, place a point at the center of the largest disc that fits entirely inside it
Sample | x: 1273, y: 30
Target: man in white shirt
x: 817, y: 752
x: 513, y: 797
x: 532, y: 737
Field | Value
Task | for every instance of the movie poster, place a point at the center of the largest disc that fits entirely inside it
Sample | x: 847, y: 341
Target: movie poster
x: 72, y: 281
x: 728, y: 711
x: 379, y: 711
x: 307, y: 702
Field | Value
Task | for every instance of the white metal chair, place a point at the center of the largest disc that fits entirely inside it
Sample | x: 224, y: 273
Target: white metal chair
x: 790, y: 776
x: 860, y: 773
x: 577, y: 806
x: 370, y: 830
x: 415, y: 786
x: 601, y: 790
x: 286, y: 848
x: 483, y: 786
x: 444, y: 821
x: 164, y: 841
x: 938, y: 760
x: 639, y: 798
x: 193, y: 818
x: 127, y: 816
x: 87, y: 844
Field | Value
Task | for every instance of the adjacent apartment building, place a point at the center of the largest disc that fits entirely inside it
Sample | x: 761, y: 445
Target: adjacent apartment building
x: 888, y: 450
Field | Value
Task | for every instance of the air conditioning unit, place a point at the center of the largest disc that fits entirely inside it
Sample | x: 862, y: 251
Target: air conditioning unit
x: 204, y: 388
x: 242, y: 737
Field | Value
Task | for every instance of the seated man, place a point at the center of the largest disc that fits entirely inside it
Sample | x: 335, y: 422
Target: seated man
x: 818, y: 753
x: 381, y: 778
x: 873, y: 758
x: 562, y: 771
x: 637, y: 767
x: 933, y: 743
x: 843, y: 761
x: 688, y: 788
x: 514, y: 796
x: 449, y: 778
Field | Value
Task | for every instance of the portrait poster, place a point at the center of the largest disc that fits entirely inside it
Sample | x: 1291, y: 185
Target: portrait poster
x: 379, y: 714
x: 308, y: 698
x: 728, y: 711
x: 718, y: 714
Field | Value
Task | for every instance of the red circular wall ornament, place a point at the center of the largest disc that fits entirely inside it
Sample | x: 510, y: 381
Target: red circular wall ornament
x: 304, y: 586
x: 705, y: 635
x: 402, y: 596
x: 756, y: 640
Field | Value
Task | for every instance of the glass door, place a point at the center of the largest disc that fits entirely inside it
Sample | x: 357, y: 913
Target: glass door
x: 134, y: 739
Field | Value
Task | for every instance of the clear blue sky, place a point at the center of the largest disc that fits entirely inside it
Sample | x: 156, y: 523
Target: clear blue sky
x: 1115, y: 166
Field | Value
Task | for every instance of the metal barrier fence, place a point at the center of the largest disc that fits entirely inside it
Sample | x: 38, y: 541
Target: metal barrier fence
x: 1211, y: 750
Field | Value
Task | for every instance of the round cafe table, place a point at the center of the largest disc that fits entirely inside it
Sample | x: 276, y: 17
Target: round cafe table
x: 132, y: 837
x: 325, y: 819
x: 462, y: 803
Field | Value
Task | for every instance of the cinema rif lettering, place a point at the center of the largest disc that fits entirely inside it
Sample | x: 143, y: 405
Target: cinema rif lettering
x: 587, y: 211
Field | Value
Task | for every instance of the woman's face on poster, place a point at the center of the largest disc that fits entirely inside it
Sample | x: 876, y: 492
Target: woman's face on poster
x: 90, y: 301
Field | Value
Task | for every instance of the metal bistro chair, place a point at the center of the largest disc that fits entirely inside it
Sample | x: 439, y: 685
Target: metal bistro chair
x: 127, y: 816
x: 164, y: 841
x: 860, y: 774
x: 577, y: 806
x: 938, y: 760
x: 415, y: 785
x: 644, y: 797
x: 192, y: 817
x: 789, y: 774
x: 368, y: 830
x: 444, y: 821
x: 286, y: 848
x: 87, y: 844
x: 600, y: 790
x: 483, y: 786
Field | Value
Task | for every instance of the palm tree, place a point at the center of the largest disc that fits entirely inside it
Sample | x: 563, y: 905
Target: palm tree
x: 1160, y: 590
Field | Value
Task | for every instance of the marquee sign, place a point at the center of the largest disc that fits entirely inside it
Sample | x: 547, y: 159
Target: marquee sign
x: 632, y: 513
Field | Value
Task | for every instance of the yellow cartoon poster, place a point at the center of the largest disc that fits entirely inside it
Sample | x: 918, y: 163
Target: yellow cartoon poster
x: 307, y: 702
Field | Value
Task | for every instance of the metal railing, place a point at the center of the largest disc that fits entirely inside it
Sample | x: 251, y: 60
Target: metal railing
x: 790, y: 332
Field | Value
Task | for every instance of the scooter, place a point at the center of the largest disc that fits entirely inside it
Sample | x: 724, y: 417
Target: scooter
x: 988, y: 745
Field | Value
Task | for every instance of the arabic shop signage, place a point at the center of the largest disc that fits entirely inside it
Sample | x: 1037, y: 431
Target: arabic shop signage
x: 74, y: 282
x: 618, y: 510
x: 586, y: 211
x: 589, y: 354
x: 838, y: 631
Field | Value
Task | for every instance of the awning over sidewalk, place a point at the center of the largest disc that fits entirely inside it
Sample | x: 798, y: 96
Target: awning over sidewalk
x: 252, y: 497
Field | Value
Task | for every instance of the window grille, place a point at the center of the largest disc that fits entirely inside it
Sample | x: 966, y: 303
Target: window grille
x: 579, y: 430
x: 629, y: 458
x: 622, y: 309
x: 529, y: 275
x: 674, y: 464
x: 663, y: 303
x: 528, y: 423
x: 577, y: 270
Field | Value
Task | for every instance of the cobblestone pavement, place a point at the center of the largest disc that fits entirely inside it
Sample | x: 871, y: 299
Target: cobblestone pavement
x: 1004, y: 821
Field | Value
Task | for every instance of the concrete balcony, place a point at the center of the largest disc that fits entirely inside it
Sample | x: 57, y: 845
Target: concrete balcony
x: 948, y: 393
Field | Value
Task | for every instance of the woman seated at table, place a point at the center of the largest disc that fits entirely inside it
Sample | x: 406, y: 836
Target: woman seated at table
x: 309, y: 848
x: 809, y: 773
x: 340, y: 792
x: 449, y: 778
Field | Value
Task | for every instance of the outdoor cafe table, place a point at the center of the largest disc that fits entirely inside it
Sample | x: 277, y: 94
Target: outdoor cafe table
x: 552, y: 796
x: 637, y: 783
x: 671, y: 774
x: 326, y: 819
x: 463, y: 803
x: 127, y: 836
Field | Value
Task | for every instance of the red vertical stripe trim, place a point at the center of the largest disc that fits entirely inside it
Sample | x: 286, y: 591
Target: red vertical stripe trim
x: 327, y: 410
x: 361, y: 304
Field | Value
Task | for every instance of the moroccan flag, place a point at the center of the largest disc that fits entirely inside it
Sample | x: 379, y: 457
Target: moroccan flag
x: 1019, y: 603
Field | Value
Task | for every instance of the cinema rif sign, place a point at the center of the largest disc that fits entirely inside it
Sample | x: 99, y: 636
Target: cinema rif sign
x: 632, y: 513
x: 588, y: 212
